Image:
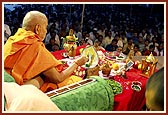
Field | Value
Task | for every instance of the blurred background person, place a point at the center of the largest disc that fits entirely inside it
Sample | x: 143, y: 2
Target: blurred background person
x: 112, y: 46
x: 55, y: 47
x: 136, y: 50
x: 118, y: 52
x: 128, y: 46
x: 108, y: 38
x: 150, y: 50
x: 7, y: 32
x: 52, y: 34
x: 160, y: 50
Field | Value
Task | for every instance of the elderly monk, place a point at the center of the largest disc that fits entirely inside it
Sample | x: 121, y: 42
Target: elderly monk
x: 29, y: 62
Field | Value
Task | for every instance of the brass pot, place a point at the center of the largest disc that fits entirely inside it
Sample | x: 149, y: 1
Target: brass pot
x: 70, y: 49
x: 106, y: 69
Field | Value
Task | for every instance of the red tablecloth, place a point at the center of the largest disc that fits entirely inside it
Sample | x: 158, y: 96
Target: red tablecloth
x: 128, y: 100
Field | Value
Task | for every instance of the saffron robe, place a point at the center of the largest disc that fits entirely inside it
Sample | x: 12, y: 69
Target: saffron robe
x: 25, y: 57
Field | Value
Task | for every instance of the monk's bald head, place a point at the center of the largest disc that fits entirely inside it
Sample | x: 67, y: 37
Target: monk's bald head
x: 33, y: 18
x: 155, y: 91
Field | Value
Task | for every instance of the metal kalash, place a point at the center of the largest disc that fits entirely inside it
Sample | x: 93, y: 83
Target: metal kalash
x: 70, y: 44
x: 148, y: 65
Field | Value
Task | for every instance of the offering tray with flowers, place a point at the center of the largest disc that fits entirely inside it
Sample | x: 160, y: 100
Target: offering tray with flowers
x: 92, y: 55
x: 116, y: 68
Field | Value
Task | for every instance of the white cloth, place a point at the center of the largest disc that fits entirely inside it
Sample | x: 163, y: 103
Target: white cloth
x: 120, y: 43
x: 26, y: 98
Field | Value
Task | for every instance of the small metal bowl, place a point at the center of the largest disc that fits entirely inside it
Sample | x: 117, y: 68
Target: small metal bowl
x: 136, y: 83
x: 136, y: 87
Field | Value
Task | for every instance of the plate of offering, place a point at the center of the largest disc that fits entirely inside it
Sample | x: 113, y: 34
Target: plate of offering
x: 120, y: 58
x: 111, y: 57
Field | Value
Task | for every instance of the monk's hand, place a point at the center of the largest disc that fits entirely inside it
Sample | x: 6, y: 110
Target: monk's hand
x: 81, y: 60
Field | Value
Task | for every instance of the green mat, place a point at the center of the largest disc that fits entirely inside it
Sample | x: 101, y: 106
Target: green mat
x: 96, y: 96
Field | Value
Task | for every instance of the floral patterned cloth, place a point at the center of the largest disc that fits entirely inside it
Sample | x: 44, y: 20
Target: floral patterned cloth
x: 95, y: 96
